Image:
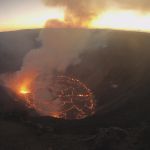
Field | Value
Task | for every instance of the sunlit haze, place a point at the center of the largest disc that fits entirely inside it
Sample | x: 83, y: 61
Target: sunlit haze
x: 125, y: 20
x: 16, y: 15
x: 26, y: 15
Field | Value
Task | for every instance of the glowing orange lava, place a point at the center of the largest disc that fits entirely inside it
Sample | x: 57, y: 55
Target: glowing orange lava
x: 71, y: 97
x: 24, y: 90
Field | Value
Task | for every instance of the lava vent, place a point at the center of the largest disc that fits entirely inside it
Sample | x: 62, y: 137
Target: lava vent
x: 64, y: 97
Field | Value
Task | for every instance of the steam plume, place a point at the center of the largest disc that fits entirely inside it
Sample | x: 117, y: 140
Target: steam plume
x: 76, y: 13
x: 87, y: 7
x: 79, y: 12
x: 60, y: 48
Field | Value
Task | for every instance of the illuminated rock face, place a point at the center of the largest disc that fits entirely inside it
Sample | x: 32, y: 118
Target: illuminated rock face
x: 65, y: 97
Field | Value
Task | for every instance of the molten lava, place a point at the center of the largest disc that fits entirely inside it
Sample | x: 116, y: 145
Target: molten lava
x: 24, y: 90
x: 71, y: 97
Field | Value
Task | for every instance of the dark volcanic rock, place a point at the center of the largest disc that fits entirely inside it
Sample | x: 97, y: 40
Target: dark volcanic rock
x: 118, y: 74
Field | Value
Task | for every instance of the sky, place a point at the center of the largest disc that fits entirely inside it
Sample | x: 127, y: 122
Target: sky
x: 113, y: 14
x: 23, y: 14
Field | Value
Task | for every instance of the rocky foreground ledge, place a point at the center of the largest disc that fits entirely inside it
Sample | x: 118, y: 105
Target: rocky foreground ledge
x: 28, y: 135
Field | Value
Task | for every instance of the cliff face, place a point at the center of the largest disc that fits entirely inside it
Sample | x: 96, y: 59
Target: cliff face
x: 13, y: 47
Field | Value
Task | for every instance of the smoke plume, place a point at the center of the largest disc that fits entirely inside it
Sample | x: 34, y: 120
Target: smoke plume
x: 79, y: 12
x: 60, y: 48
x: 85, y: 8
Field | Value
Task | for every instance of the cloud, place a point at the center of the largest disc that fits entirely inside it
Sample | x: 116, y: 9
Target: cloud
x: 86, y: 9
